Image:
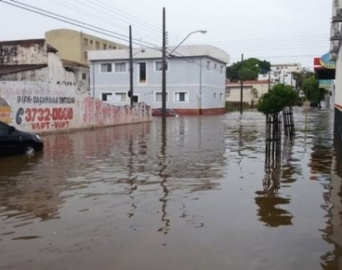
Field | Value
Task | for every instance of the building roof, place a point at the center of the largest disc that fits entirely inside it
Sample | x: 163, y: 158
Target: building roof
x: 24, y: 42
x: 156, y: 53
x: 286, y: 64
x: 246, y: 83
x: 73, y: 64
x: 28, y: 43
x: 10, y: 69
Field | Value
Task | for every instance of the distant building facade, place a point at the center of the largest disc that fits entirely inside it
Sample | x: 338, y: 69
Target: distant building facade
x: 195, y: 78
x: 74, y: 46
x: 282, y: 73
x: 252, y: 91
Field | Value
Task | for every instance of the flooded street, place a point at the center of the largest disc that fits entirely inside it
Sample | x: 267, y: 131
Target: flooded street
x: 194, y: 196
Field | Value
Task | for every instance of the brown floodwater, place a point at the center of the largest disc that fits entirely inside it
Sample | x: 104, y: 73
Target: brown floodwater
x: 197, y: 194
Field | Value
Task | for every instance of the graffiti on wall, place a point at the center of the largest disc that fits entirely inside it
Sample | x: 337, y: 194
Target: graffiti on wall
x: 7, y: 53
x: 99, y: 112
x: 5, y: 111
x: 45, y: 118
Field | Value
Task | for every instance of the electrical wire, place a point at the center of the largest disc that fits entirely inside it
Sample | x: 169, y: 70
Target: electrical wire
x: 247, y: 44
x: 75, y: 22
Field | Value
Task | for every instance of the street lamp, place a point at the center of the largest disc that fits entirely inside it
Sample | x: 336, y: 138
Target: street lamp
x: 164, y: 63
x: 193, y: 32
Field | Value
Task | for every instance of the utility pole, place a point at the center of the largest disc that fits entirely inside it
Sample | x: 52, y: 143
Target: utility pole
x: 130, y: 66
x: 241, y: 90
x: 164, y: 69
x: 269, y: 80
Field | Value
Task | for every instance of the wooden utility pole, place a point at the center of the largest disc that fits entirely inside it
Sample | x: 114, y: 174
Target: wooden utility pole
x: 164, y: 69
x: 130, y: 65
x: 241, y: 82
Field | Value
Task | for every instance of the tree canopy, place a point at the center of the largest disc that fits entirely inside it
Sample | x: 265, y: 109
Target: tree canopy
x: 247, y: 69
x: 301, y: 76
x: 312, y: 91
x: 279, y: 97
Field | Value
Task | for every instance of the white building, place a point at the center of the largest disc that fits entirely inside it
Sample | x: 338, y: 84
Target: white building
x: 282, y: 73
x: 195, y: 78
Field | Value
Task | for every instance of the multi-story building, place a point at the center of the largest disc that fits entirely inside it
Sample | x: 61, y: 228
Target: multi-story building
x: 336, y: 54
x: 74, y: 46
x: 195, y: 81
x: 282, y: 73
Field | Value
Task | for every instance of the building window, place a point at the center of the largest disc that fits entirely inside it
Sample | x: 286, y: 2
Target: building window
x: 91, y: 42
x: 106, y: 96
x: 215, y: 66
x: 106, y: 68
x: 159, y: 66
x: 121, y: 97
x: 142, y: 72
x: 114, y: 48
x: 85, y: 54
x: 109, y: 47
x: 208, y: 65
x: 85, y: 40
x: 221, y: 69
x: 105, y: 46
x: 159, y: 96
x: 97, y: 45
x: 120, y: 67
x: 221, y: 96
x: 214, y: 95
x: 84, y: 76
x: 181, y: 97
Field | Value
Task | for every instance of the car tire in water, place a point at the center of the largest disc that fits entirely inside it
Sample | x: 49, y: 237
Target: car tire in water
x: 29, y: 150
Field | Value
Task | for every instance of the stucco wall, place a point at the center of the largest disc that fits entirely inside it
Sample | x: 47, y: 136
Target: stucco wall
x: 50, y: 100
x: 48, y: 107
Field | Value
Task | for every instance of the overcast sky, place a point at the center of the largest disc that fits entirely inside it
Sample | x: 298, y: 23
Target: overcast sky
x: 279, y: 31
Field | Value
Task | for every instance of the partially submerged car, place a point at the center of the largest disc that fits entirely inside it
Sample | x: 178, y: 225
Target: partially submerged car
x: 13, y: 141
x: 159, y: 112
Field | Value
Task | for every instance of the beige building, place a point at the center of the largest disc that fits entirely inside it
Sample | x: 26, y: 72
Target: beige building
x: 74, y: 46
x: 252, y: 91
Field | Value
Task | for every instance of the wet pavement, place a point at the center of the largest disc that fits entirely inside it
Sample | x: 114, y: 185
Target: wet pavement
x: 199, y: 194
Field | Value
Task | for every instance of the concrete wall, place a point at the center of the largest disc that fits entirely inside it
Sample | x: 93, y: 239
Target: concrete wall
x: 50, y: 100
x: 26, y: 52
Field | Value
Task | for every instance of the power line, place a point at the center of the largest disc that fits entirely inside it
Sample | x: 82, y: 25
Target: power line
x: 72, y: 21
x: 102, y: 14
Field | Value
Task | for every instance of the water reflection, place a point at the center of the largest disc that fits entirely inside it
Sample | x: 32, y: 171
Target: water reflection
x: 164, y: 176
x: 269, y: 200
x: 333, y: 259
x: 27, y: 190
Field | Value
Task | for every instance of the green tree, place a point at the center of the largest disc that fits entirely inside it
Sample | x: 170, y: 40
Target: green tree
x: 275, y: 100
x: 312, y: 91
x: 248, y: 69
x: 299, y: 77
